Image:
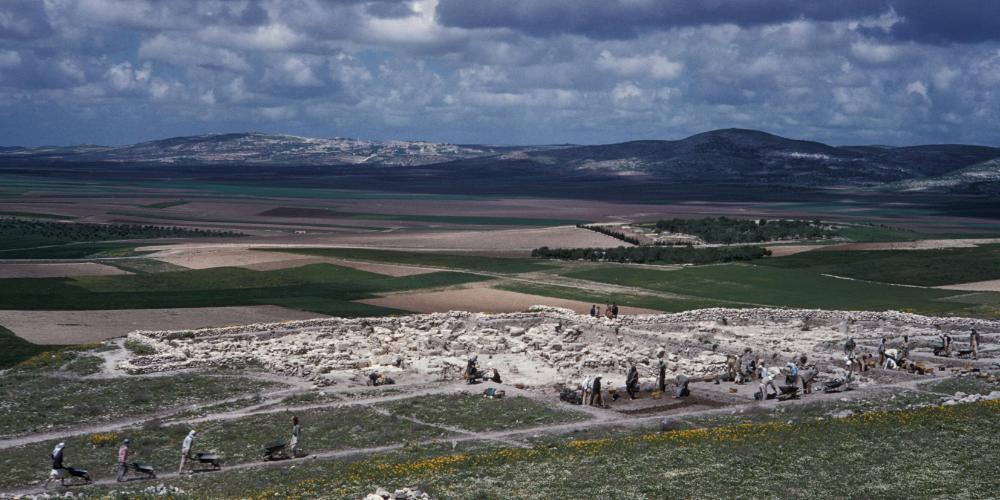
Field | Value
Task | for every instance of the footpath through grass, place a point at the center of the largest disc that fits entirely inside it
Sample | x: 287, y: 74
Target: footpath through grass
x: 944, y: 266
x: 780, y: 287
x: 448, y: 261
x: 322, y: 288
x: 949, y: 452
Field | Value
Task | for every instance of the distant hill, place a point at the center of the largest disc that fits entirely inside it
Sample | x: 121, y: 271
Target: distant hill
x: 728, y: 156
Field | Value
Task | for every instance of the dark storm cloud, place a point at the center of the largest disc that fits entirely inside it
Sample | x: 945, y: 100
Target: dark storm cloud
x: 23, y: 20
x: 625, y: 18
x: 933, y: 21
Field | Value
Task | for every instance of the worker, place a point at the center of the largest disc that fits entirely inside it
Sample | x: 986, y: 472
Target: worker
x: 593, y: 311
x: 945, y: 344
x: 293, y: 445
x: 595, y: 392
x: 186, y: 450
x: 807, y: 376
x: 58, y: 470
x: 746, y: 365
x: 588, y: 387
x: 974, y: 343
x: 881, y: 353
x: 122, y: 460
x: 905, y: 350
x: 632, y: 382
x: 791, y: 374
x: 849, y: 347
x: 614, y: 310
x: 766, y: 380
x: 661, y: 375
x: 891, y: 359
x: 682, y: 390
x: 471, y: 371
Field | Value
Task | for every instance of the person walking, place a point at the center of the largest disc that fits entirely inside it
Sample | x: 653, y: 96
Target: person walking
x: 58, y: 470
x: 293, y: 445
x: 974, y: 343
x: 661, y: 376
x: 186, y: 450
x: 632, y: 382
x: 595, y: 392
x: 849, y: 347
x: 122, y: 460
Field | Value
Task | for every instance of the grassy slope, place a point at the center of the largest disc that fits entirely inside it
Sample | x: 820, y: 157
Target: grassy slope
x: 14, y: 349
x: 320, y: 288
x: 476, y: 413
x: 774, y: 286
x: 38, y: 401
x: 948, y: 453
x: 464, y: 262
x: 911, y: 267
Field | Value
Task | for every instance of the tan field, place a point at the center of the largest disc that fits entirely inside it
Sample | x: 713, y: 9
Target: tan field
x: 80, y: 327
x: 976, y: 286
x: 481, y: 299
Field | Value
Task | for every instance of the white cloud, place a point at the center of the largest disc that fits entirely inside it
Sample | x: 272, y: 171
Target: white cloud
x: 654, y: 65
x: 874, y: 53
x: 184, y: 52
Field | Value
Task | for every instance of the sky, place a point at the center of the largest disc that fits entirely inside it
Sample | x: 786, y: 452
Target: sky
x: 892, y: 72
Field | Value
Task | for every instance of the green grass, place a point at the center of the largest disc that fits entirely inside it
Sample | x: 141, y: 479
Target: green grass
x: 36, y: 402
x: 449, y: 261
x: 856, y: 457
x: 910, y: 267
x: 781, y: 287
x: 870, y: 232
x: 237, y: 441
x: 166, y: 204
x: 473, y: 412
x: 654, y: 302
x: 14, y: 349
x: 464, y: 219
x: 73, y: 251
x: 146, y: 266
x: 322, y: 288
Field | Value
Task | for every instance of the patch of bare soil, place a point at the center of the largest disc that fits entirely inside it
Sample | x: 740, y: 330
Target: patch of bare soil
x: 56, y: 270
x: 975, y: 286
x: 80, y: 327
x: 783, y: 250
x: 509, y: 240
x: 207, y: 256
x: 482, y: 299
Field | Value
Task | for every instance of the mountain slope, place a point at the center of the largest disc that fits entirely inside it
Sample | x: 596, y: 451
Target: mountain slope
x: 728, y: 156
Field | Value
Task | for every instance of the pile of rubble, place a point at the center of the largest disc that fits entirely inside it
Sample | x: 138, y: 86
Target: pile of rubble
x: 550, y: 343
x: 401, y: 494
x: 963, y: 398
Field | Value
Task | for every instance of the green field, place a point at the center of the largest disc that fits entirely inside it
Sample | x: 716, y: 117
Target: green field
x: 321, y: 288
x: 14, y: 349
x: 166, y: 204
x: 34, y: 215
x: 463, y: 262
x: 944, y: 266
x: 774, y: 286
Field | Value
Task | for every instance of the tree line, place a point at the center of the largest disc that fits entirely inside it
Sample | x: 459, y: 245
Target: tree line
x: 14, y: 227
x: 726, y: 230
x: 655, y: 254
x: 610, y: 232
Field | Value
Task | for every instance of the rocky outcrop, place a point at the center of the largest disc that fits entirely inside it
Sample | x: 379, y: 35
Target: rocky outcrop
x: 570, y: 345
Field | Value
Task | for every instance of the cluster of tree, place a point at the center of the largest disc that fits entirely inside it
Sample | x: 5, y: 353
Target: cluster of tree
x: 610, y: 232
x: 726, y: 230
x: 14, y: 227
x: 655, y: 254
